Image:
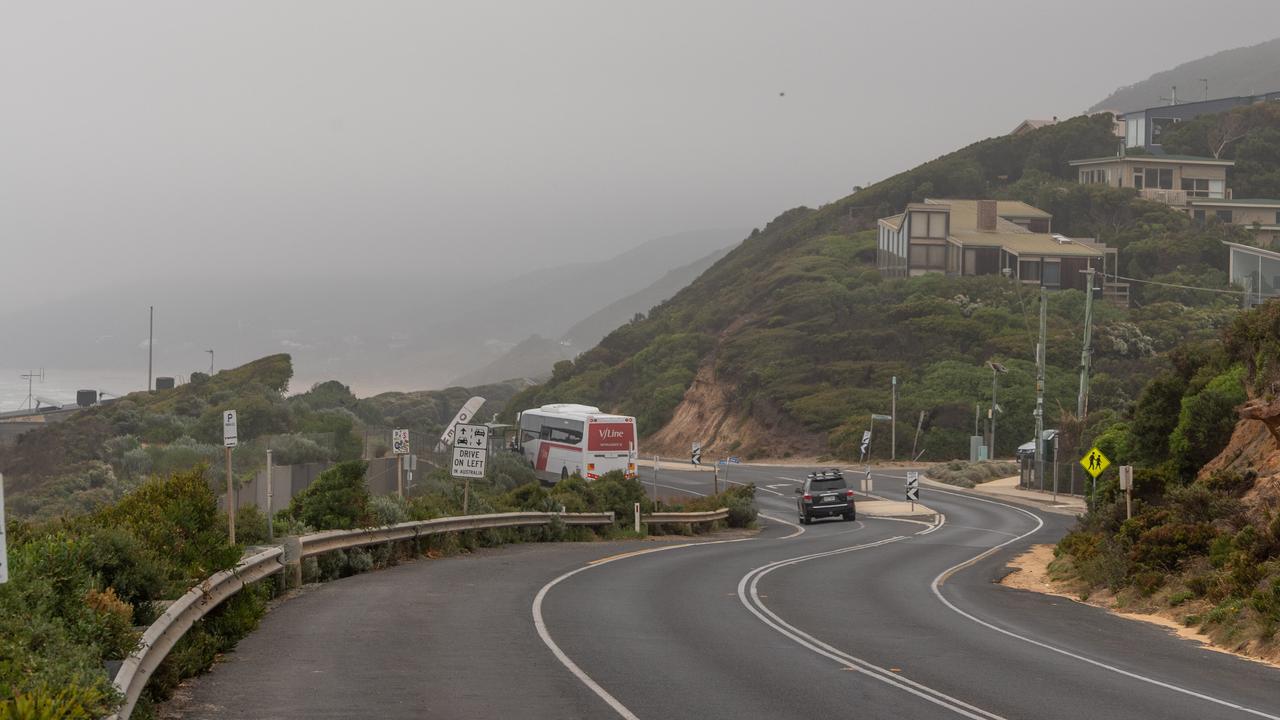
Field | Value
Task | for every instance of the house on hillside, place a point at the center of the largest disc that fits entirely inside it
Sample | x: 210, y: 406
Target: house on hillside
x: 989, y: 237
x: 1261, y: 215
x: 1170, y: 179
x: 1195, y: 185
x: 1254, y: 269
x: 1143, y: 128
x: 1028, y: 125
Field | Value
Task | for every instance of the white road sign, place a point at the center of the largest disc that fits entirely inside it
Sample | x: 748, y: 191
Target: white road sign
x: 470, y: 448
x: 913, y: 486
x: 229, y: 438
x: 4, y: 552
x: 400, y: 441
x: 468, y: 411
x: 913, y: 494
x: 913, y: 479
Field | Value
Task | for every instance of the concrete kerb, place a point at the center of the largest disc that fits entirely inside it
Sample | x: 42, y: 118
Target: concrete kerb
x: 1064, y: 505
x: 896, y: 509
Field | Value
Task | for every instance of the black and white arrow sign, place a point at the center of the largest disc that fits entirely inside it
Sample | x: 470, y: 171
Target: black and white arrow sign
x: 913, y: 494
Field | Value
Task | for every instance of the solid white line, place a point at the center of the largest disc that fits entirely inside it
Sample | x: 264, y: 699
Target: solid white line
x: 768, y: 617
x: 564, y: 659
x: 942, y: 577
x: 799, y: 528
x: 684, y: 490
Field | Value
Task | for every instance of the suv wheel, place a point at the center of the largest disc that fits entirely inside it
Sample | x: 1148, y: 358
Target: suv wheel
x: 849, y: 516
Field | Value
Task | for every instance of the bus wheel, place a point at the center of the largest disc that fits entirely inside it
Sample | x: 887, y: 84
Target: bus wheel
x: 564, y: 473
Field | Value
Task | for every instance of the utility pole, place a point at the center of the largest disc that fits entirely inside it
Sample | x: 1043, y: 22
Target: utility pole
x: 893, y: 423
x: 151, y: 340
x: 1082, y: 400
x: 1040, y: 352
x: 997, y: 370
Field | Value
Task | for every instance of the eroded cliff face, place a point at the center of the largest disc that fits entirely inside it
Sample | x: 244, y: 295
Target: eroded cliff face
x: 1254, y: 447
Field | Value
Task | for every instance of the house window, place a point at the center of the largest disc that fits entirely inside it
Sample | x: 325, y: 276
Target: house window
x: 1137, y: 178
x: 929, y: 224
x: 1278, y: 217
x: 1052, y: 274
x: 1224, y: 215
x: 1161, y: 178
x: 929, y: 257
x: 1199, y: 216
x: 1196, y: 187
x: 1159, y: 126
x: 1029, y: 270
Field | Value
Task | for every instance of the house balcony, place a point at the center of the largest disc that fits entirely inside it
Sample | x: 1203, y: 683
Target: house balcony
x: 1176, y: 198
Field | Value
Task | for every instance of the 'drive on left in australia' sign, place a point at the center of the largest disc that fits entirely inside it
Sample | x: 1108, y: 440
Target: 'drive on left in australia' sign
x: 470, y: 446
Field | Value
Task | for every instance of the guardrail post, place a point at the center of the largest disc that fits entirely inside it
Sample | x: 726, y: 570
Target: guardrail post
x: 637, y: 517
x: 292, y: 562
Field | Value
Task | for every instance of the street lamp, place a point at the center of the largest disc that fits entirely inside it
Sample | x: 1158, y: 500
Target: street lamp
x: 996, y: 371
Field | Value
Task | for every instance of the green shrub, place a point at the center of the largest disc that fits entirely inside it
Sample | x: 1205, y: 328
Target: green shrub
x: 337, y: 500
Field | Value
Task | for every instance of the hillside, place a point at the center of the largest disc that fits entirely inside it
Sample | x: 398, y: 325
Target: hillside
x: 1240, y: 71
x: 1203, y: 545
x: 788, y: 343
x: 534, y: 356
x: 102, y: 452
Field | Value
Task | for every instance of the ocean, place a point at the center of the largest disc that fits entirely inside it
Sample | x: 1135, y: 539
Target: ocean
x: 60, y: 385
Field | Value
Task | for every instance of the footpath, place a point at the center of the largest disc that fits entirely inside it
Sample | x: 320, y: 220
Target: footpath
x: 1006, y: 489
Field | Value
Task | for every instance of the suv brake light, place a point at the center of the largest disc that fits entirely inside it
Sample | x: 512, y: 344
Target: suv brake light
x: 807, y: 496
x: 848, y: 493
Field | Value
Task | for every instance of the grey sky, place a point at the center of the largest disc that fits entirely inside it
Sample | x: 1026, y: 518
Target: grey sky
x: 200, y: 139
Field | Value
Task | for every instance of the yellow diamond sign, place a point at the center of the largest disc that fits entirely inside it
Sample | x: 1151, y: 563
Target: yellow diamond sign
x: 1095, y: 462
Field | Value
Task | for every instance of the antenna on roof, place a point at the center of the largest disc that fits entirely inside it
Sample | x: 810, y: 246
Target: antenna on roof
x: 1173, y: 96
x: 30, y: 376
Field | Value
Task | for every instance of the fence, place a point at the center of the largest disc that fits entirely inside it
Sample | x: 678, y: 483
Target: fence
x: 1072, y: 479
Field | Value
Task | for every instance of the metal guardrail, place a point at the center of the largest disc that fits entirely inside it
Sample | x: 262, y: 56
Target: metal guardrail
x: 160, y: 637
x: 323, y: 542
x: 685, y: 518
x: 178, y: 618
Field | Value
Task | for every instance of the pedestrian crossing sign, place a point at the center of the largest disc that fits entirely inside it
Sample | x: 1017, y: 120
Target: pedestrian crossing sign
x: 1094, y: 462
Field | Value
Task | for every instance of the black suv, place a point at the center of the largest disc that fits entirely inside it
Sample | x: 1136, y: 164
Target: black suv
x: 825, y: 494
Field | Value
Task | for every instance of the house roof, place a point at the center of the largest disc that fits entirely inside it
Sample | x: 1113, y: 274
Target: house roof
x: 1248, y: 202
x: 893, y: 221
x: 964, y: 213
x: 1025, y: 243
x: 1271, y: 254
x: 1147, y: 159
x: 1031, y: 124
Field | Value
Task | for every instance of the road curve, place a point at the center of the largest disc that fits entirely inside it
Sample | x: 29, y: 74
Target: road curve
x: 844, y: 618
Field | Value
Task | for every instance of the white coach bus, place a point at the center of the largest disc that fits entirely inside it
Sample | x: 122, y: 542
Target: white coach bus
x: 560, y: 440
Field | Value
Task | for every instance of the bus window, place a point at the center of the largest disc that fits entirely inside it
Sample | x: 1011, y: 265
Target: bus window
x: 562, y: 435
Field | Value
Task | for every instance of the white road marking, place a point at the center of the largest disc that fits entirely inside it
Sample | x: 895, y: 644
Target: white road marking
x: 799, y: 528
x: 560, y: 655
x: 942, y: 577
x: 748, y: 586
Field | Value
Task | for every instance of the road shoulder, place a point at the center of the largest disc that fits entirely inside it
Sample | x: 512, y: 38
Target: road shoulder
x: 1030, y: 571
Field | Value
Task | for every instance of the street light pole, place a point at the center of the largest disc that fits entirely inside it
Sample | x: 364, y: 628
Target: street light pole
x: 996, y: 370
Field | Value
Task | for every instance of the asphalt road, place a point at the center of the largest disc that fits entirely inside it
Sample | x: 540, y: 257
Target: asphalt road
x: 877, y: 618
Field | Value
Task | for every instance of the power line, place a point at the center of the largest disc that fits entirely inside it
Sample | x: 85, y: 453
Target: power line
x: 1188, y: 287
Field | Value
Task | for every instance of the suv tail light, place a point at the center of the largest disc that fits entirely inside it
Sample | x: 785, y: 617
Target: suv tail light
x: 808, y: 497
x: 848, y: 493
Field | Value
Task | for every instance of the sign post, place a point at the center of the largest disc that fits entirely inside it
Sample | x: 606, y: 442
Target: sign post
x: 400, y: 446
x: 913, y: 489
x: 270, y: 530
x: 470, y: 449
x: 4, y: 552
x: 1126, y: 484
x: 230, y: 439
